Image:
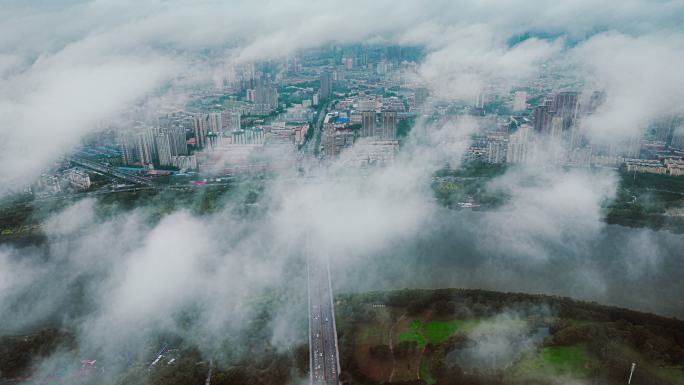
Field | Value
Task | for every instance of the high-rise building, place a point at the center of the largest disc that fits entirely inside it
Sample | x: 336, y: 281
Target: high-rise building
x: 265, y: 99
x: 542, y: 118
x: 214, y: 122
x: 496, y: 150
x: 326, y: 85
x: 296, y: 65
x: 177, y: 140
x: 421, y: 95
x: 382, y: 68
x: 520, y: 101
x: 163, y: 144
x: 518, y: 145
x: 129, y: 154
x: 251, y: 95
x: 230, y: 120
x: 146, y: 150
x: 480, y: 101
x: 595, y: 101
x: 329, y: 139
x: 556, y: 127
x: 678, y: 138
x: 368, y: 123
x: 566, y: 105
x: 389, y: 125
x: 201, y: 128
x: 173, y: 125
x: 140, y: 147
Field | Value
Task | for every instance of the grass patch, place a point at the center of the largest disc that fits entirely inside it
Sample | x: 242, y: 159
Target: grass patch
x: 574, y: 361
x: 425, y: 374
x: 439, y: 331
x: 565, y: 359
x: 436, y: 332
x: 414, y: 334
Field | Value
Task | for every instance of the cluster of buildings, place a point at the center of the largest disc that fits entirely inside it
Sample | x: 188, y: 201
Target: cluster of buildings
x: 367, y: 98
x: 225, y: 138
x: 162, y: 145
x: 669, y: 166
x: 550, y: 132
x: 369, y: 121
x: 74, y: 179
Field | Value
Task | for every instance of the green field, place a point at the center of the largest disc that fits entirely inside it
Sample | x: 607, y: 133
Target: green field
x: 439, y: 331
x: 574, y: 361
x: 414, y: 334
x: 566, y: 359
x: 436, y: 332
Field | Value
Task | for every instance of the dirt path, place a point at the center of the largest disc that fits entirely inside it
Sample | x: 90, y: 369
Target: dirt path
x: 391, y: 332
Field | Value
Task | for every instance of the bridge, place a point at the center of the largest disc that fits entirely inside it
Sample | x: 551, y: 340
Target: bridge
x: 324, y: 363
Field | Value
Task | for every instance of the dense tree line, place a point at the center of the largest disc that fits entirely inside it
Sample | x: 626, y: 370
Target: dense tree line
x: 250, y: 359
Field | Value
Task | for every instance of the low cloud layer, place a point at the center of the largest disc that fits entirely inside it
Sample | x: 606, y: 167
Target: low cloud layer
x: 67, y: 67
x: 70, y: 68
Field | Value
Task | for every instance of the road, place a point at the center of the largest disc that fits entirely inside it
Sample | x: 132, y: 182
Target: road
x: 111, y: 171
x: 315, y: 140
x: 324, y: 364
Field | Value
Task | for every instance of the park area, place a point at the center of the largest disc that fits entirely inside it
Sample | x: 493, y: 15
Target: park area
x: 458, y: 340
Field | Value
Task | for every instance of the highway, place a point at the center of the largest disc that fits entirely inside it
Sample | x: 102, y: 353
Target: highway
x: 324, y: 364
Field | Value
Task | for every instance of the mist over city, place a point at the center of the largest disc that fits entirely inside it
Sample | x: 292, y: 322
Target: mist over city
x: 292, y: 192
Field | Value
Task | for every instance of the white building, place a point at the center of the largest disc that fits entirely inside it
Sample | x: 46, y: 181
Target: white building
x: 518, y: 144
x: 78, y: 178
x: 520, y: 101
